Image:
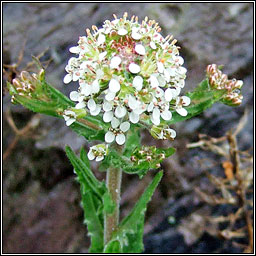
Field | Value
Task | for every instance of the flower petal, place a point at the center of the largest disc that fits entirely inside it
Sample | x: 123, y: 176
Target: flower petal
x: 166, y: 115
x: 102, y: 55
x: 120, y: 139
x: 70, y: 121
x: 160, y: 67
x: 153, y: 81
x: 115, y: 62
x: 122, y: 32
x: 67, y: 79
x: 120, y: 112
x: 140, y: 49
x: 107, y: 117
x: 101, y: 39
x: 138, y: 82
x: 99, y: 158
x: 110, y: 96
x: 75, y: 49
x: 168, y: 94
x: 80, y: 105
x: 114, y: 85
x: 109, y: 137
x: 132, y: 102
x: 125, y: 126
x: 182, y: 111
x: 107, y: 106
x: 74, y: 95
x: 185, y: 100
x: 152, y: 45
x: 95, y: 86
x: 96, y: 111
x: 156, y: 113
x: 90, y: 155
x: 134, y: 118
x: 91, y: 104
x: 134, y: 68
x: 136, y: 36
x: 115, y: 122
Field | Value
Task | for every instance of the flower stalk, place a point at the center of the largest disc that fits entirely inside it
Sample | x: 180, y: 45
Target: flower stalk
x: 111, y: 221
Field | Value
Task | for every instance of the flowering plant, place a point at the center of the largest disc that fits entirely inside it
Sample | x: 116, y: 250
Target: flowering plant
x: 130, y: 78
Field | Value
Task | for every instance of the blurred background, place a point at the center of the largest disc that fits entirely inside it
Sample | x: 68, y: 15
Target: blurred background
x: 41, y: 201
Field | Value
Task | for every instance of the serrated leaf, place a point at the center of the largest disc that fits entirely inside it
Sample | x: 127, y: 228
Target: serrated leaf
x: 83, y: 170
x: 129, y: 237
x: 92, y: 192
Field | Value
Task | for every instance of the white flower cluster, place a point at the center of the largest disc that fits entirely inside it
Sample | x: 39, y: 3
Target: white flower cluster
x: 127, y: 71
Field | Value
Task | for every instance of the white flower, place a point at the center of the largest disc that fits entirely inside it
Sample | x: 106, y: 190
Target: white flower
x: 93, y: 107
x: 117, y: 134
x: 135, y: 34
x: 180, y: 102
x: 134, y: 68
x: 140, y: 49
x: 98, y: 152
x: 129, y: 71
x: 115, y: 62
x: 69, y: 116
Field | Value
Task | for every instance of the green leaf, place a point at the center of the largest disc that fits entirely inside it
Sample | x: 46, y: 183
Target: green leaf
x: 92, y: 192
x: 129, y: 237
x: 83, y: 170
x: 87, y: 132
x: 84, y: 157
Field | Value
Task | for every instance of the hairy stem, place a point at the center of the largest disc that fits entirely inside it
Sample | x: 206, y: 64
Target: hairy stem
x: 114, y: 177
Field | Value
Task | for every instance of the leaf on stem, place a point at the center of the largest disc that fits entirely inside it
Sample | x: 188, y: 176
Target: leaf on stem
x: 92, y: 192
x: 129, y: 236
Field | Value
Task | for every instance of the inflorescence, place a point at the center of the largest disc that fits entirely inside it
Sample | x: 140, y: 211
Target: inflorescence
x: 127, y: 72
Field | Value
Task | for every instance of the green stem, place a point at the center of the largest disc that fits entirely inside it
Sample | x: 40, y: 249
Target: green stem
x: 114, y: 177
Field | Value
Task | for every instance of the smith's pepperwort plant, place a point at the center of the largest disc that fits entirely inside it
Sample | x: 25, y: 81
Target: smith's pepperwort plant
x: 129, y: 78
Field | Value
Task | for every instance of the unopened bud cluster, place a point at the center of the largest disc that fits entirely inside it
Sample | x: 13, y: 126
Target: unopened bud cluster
x: 27, y: 85
x: 127, y: 72
x: 220, y: 81
x: 148, y: 154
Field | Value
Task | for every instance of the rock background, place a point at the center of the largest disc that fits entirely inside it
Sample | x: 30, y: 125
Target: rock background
x: 41, y: 212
